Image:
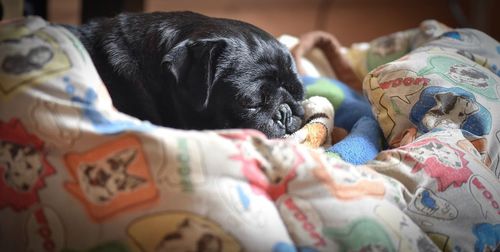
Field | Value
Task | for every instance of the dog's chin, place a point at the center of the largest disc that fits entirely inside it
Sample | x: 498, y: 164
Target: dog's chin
x: 276, y: 129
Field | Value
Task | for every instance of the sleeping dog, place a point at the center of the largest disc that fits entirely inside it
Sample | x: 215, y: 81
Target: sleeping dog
x: 189, y: 71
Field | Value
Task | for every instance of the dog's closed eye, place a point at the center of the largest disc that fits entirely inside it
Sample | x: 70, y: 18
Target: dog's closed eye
x: 249, y: 102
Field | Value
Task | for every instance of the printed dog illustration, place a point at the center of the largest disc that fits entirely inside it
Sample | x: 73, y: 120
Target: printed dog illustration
x: 468, y: 75
x: 190, y: 236
x: 450, y: 111
x: 103, y: 180
x: 22, y: 164
x: 444, y: 154
x: 279, y: 159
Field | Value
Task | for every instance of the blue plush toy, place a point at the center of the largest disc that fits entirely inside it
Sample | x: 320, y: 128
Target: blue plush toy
x: 362, y: 144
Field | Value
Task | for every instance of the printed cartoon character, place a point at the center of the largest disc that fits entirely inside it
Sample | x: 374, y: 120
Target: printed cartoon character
x: 450, y: 111
x: 22, y: 164
x: 444, y: 154
x: 191, y: 236
x: 428, y: 203
x: 279, y: 158
x: 465, y: 74
x: 438, y: 160
x: 450, y: 107
x: 103, y: 180
x: 32, y: 54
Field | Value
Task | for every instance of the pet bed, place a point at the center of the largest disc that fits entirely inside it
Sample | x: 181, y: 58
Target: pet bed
x: 77, y: 175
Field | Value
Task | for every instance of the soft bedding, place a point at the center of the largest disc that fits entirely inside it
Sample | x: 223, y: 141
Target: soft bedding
x: 77, y: 175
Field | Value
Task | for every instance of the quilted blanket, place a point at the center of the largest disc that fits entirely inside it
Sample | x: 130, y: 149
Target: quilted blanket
x: 77, y: 175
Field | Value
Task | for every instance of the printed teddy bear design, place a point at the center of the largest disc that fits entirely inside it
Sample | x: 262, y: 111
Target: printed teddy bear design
x: 105, y: 179
x: 190, y: 236
x: 450, y: 111
x: 34, y: 59
x: 22, y: 164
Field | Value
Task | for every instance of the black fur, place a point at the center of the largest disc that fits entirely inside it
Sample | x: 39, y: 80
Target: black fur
x: 189, y: 71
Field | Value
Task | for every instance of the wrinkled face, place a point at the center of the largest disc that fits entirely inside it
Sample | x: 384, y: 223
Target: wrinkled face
x: 260, y: 90
x: 230, y: 74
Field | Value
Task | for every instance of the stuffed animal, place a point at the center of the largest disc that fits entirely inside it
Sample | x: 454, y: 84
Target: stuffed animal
x: 355, y: 137
x: 360, y: 145
x: 318, y: 126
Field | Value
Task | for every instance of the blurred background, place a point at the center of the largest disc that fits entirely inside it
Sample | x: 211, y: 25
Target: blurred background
x: 350, y: 20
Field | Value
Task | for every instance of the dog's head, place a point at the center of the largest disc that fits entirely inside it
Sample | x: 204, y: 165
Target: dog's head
x: 105, y: 179
x: 450, y: 111
x: 230, y: 74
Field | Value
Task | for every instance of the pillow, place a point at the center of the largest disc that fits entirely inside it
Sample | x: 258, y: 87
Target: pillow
x: 449, y: 83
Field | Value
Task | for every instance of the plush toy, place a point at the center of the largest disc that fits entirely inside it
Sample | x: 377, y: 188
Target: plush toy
x: 362, y: 144
x: 318, y: 126
x: 355, y: 137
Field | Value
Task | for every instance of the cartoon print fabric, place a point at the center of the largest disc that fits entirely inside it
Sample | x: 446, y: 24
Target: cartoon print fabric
x: 77, y: 175
x: 450, y: 82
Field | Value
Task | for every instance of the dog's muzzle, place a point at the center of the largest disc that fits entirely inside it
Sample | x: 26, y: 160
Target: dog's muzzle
x: 286, y: 119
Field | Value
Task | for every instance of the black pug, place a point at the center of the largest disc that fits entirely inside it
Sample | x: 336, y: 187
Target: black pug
x: 189, y: 71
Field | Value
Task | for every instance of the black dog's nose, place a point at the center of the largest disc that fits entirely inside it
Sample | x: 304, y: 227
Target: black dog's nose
x: 280, y: 116
x: 285, y: 119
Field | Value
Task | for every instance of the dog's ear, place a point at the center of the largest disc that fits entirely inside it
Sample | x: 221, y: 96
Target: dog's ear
x: 446, y: 101
x: 122, y: 159
x: 192, y: 65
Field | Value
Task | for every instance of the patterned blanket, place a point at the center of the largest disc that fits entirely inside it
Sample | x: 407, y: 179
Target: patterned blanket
x: 77, y: 175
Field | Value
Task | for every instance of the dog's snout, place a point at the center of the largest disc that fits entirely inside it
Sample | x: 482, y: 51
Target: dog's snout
x: 282, y: 115
x: 286, y: 119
